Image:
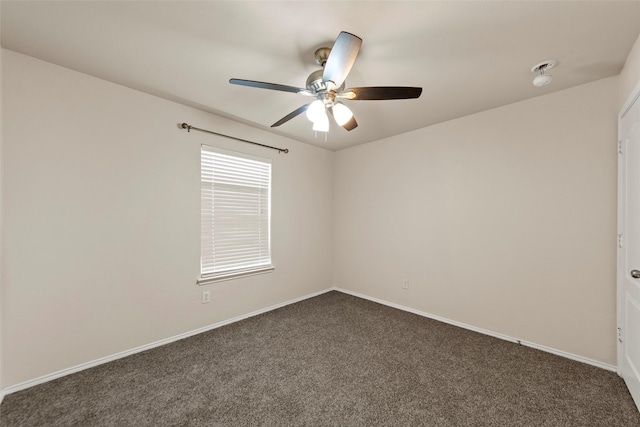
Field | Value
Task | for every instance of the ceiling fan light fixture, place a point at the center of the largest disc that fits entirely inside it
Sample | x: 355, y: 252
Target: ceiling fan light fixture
x: 341, y: 113
x: 321, y: 124
x: 316, y: 110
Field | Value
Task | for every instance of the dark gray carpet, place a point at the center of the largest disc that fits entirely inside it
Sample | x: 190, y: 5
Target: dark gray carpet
x: 333, y: 360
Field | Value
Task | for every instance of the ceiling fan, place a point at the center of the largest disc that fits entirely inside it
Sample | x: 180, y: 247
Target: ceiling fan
x: 327, y: 85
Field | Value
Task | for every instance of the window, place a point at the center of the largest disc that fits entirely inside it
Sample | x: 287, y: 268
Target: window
x: 235, y: 215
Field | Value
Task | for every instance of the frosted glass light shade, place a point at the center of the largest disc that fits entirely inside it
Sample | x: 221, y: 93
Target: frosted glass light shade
x: 341, y: 113
x: 322, y: 123
x: 316, y: 111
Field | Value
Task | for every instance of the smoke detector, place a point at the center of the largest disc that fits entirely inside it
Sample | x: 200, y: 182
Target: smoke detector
x: 543, y: 79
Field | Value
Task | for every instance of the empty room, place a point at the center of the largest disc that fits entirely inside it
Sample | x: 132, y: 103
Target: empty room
x: 320, y: 213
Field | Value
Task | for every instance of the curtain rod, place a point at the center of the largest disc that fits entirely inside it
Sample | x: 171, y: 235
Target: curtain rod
x: 189, y: 127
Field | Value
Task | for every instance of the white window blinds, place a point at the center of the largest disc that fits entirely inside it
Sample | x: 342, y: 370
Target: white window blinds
x: 235, y: 204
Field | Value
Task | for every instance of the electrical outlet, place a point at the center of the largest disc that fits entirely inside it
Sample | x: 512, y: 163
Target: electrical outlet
x: 405, y: 284
x: 206, y: 297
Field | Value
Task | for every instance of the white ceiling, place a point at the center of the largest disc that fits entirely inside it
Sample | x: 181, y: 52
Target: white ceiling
x: 468, y: 56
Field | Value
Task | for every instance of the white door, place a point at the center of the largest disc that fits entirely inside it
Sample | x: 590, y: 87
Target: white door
x: 629, y: 246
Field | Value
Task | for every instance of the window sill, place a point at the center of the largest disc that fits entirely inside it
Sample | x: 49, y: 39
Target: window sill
x: 206, y: 280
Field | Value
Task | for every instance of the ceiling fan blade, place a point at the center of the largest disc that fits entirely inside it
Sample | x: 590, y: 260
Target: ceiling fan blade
x: 291, y: 115
x: 272, y: 86
x: 350, y: 125
x: 381, y: 93
x: 342, y: 57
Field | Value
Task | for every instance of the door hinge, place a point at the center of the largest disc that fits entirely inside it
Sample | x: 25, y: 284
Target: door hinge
x: 620, y: 240
x: 620, y: 334
x: 619, y: 146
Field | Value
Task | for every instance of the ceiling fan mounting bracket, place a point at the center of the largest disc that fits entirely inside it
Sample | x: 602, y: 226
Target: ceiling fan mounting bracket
x: 322, y: 55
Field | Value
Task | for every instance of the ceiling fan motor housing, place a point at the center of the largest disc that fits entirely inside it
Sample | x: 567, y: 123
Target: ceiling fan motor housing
x: 315, y: 82
x: 324, y: 91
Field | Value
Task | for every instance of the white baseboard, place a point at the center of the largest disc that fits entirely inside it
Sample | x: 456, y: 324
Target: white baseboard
x: 49, y: 377
x: 483, y: 331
